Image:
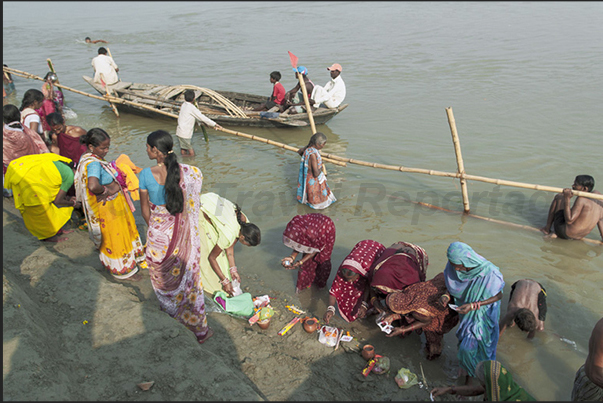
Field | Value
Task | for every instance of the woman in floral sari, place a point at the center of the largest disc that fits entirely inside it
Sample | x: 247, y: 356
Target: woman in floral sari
x: 423, y: 307
x: 350, y: 287
x: 312, y: 188
x: 313, y: 235
x: 222, y: 225
x: 399, y: 266
x: 495, y: 383
x: 476, y: 285
x: 111, y: 224
x: 170, y: 203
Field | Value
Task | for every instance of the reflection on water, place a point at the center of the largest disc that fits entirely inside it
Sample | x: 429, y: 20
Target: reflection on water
x: 520, y: 77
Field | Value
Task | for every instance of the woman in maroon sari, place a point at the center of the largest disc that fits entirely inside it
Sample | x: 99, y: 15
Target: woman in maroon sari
x: 399, y: 266
x: 423, y: 307
x: 350, y: 287
x: 313, y: 235
x: 170, y: 200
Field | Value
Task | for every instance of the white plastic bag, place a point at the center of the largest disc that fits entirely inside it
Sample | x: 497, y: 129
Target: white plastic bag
x: 236, y: 286
x: 328, y: 335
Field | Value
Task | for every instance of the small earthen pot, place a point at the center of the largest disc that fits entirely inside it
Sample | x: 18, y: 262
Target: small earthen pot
x: 368, y: 352
x: 263, y: 324
x: 310, y: 325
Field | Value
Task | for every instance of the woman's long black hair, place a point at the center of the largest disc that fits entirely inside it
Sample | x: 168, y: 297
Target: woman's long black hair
x: 173, y: 192
x: 250, y: 232
x: 31, y: 96
x: 94, y: 137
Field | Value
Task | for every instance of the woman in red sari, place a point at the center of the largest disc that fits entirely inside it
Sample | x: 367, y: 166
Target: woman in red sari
x: 399, y: 266
x: 423, y: 307
x: 170, y: 200
x: 350, y: 287
x: 313, y: 235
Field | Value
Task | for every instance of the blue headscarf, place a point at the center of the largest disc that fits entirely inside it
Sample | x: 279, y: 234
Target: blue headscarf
x: 478, y: 330
x: 301, y: 69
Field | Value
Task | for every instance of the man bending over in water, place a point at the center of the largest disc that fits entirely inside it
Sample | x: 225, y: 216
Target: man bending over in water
x: 579, y: 220
x: 526, y: 309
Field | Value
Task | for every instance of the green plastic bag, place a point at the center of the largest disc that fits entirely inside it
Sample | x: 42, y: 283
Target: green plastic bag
x: 241, y: 305
x: 266, y: 313
x: 405, y: 379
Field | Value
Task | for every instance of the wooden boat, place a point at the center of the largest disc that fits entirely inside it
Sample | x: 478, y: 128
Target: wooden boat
x: 223, y: 107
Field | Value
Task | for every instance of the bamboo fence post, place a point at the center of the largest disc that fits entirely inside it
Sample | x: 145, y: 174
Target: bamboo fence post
x: 459, y: 159
x: 51, y: 67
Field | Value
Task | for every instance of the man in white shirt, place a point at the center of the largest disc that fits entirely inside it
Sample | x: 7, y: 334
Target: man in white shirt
x: 104, y: 65
x: 187, y: 117
x: 333, y: 93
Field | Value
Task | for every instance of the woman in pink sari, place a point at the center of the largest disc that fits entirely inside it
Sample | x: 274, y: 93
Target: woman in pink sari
x: 18, y: 140
x: 350, y: 287
x: 170, y: 200
x: 313, y: 235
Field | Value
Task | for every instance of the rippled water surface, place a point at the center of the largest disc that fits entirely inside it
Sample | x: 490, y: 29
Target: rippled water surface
x: 524, y: 82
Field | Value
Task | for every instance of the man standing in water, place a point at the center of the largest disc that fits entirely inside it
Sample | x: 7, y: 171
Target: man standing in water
x: 588, y: 384
x: 579, y: 220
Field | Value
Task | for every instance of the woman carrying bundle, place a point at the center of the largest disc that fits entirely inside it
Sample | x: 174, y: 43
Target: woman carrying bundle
x: 111, y: 224
x: 170, y: 204
x: 222, y: 226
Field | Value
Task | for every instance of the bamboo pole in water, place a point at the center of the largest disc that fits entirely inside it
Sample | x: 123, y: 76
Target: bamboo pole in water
x: 275, y: 143
x: 332, y: 158
x: 459, y: 159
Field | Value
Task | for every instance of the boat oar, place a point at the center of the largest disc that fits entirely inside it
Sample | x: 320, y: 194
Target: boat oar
x: 302, y: 84
x: 109, y: 95
x: 51, y: 67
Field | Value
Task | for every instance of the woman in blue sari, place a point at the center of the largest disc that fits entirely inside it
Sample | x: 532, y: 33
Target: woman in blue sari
x: 476, y: 285
x: 312, y: 188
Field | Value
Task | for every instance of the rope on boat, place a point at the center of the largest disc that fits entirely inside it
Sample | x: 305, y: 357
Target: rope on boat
x: 230, y: 107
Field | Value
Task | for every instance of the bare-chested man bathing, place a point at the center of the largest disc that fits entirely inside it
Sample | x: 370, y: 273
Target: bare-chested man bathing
x: 579, y: 220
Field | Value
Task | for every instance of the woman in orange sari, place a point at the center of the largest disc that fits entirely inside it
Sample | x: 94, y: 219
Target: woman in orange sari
x: 109, y: 216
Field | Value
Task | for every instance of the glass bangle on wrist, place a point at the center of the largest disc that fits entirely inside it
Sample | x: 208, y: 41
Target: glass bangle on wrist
x: 331, y: 308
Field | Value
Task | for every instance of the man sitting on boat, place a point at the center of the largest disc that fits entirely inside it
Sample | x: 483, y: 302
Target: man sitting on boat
x: 104, y: 66
x: 187, y: 117
x: 277, y: 99
x: 333, y: 93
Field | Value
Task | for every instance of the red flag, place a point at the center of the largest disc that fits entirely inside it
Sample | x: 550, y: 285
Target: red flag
x: 293, y: 59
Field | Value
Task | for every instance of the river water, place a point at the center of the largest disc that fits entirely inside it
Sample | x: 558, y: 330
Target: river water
x: 523, y: 80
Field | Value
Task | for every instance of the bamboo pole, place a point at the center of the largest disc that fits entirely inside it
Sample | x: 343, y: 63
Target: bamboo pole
x: 302, y: 84
x: 332, y: 158
x: 459, y: 158
x: 51, y: 67
x: 593, y: 241
x: 109, y: 95
x: 275, y: 143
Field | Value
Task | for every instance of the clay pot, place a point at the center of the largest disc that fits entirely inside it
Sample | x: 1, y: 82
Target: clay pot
x: 310, y: 325
x: 368, y: 352
x: 263, y: 324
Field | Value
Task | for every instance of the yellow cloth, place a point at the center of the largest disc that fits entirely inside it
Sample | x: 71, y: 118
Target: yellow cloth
x: 222, y: 230
x: 35, y: 182
x: 129, y: 169
x: 111, y: 226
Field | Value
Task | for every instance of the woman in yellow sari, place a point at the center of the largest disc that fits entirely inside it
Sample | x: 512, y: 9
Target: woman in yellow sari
x: 39, y: 183
x: 111, y: 224
x: 222, y: 224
